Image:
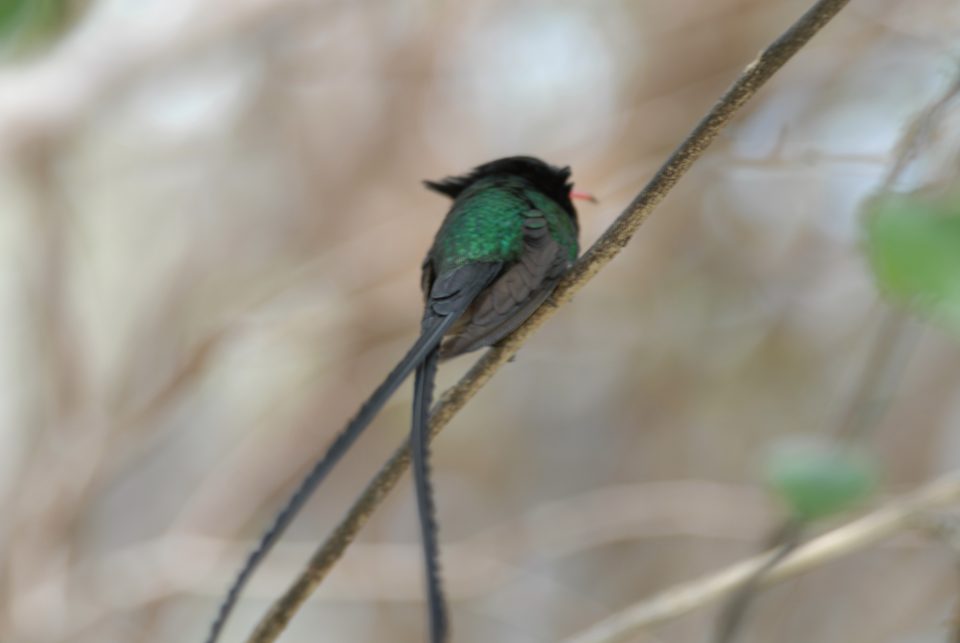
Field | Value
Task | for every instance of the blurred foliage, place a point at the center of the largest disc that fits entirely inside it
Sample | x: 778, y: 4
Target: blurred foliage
x: 28, y: 25
x: 913, y: 242
x: 818, y: 478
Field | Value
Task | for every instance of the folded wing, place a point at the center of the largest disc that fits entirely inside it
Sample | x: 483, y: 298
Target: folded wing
x: 516, y: 292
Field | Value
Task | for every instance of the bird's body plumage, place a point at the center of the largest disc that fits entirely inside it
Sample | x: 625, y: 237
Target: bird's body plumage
x: 508, y: 237
x: 510, y: 220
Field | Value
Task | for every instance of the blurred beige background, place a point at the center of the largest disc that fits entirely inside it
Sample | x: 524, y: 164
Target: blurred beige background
x: 210, y: 238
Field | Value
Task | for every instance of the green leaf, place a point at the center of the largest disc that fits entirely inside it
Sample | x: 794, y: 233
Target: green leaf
x: 12, y: 13
x: 913, y: 244
x: 24, y: 24
x: 816, y: 479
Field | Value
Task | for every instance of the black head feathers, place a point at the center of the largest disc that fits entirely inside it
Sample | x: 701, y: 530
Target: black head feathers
x: 549, y: 179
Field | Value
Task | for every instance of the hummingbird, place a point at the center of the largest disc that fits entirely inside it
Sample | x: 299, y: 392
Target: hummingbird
x: 507, y: 239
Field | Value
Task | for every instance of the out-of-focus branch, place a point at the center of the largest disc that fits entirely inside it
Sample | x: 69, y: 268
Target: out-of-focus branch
x: 895, y: 337
x: 848, y: 539
x: 613, y: 240
x: 888, y: 354
x: 130, y: 578
x: 889, y: 351
x: 110, y: 48
x: 177, y: 563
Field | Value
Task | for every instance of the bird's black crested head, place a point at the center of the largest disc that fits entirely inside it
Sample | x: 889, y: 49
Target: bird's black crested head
x: 549, y: 179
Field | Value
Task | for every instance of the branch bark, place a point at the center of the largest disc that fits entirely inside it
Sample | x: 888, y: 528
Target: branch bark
x: 610, y: 243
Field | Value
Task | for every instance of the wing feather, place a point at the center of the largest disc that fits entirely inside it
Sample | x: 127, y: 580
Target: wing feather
x: 516, y: 292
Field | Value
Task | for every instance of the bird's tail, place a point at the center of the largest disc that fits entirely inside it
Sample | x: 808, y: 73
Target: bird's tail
x: 431, y: 334
x: 450, y: 295
x: 420, y: 452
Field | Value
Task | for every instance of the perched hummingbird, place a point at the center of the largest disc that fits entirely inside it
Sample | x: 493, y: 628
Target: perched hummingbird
x: 509, y: 236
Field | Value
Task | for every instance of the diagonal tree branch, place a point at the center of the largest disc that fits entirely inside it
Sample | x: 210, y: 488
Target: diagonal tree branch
x: 610, y: 243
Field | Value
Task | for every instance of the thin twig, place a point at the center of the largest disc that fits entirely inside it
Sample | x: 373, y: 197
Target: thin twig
x: 889, y: 352
x: 785, y: 541
x: 850, y: 538
x: 896, y: 338
x: 610, y: 243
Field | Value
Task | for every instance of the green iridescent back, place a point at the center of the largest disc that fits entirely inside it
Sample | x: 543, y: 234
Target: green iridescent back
x: 486, y: 223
